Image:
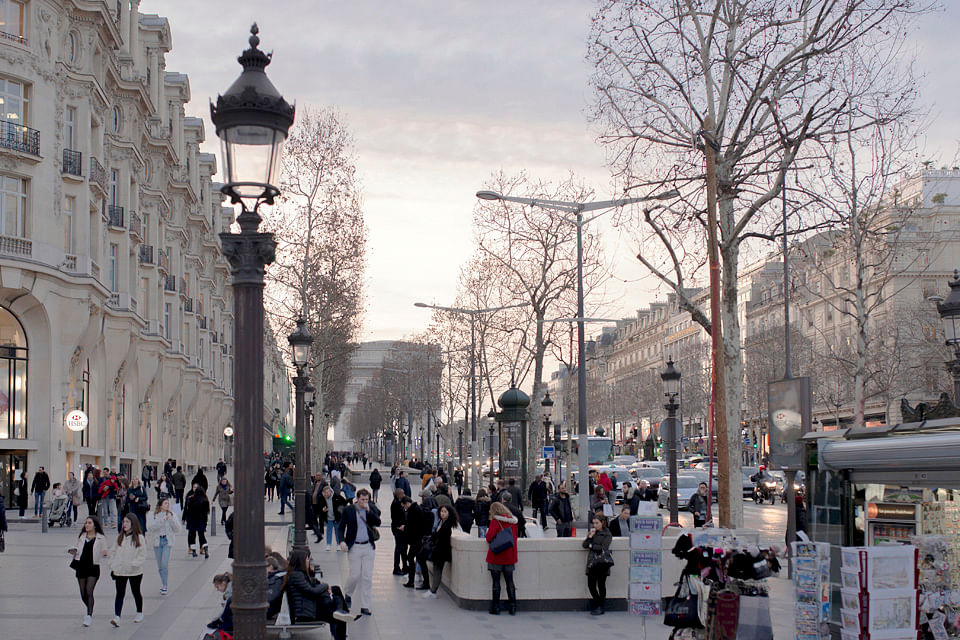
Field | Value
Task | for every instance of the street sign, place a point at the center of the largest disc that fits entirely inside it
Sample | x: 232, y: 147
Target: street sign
x: 548, y: 452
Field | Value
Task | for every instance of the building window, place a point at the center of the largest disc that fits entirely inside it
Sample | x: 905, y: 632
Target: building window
x: 144, y: 300
x: 112, y: 266
x: 73, y: 46
x: 69, y: 222
x: 166, y: 320
x: 11, y: 20
x: 69, y: 128
x: 114, y: 182
x: 13, y: 377
x: 13, y: 206
x: 117, y: 119
x: 13, y: 99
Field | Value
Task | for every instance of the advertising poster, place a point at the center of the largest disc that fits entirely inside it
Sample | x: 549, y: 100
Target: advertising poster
x: 789, y: 403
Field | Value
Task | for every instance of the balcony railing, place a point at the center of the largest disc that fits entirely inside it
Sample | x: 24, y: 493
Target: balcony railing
x: 188, y: 305
x: 146, y: 254
x: 6, y: 35
x: 70, y: 262
x: 115, y: 216
x: 136, y: 225
x: 170, y: 283
x: 72, y: 163
x: 164, y: 262
x: 12, y: 246
x: 98, y: 175
x: 202, y: 321
x: 19, y: 137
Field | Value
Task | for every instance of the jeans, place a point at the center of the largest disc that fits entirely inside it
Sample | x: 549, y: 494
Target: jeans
x: 109, y: 506
x: 285, y: 501
x: 564, y: 529
x: 482, y: 531
x: 162, y: 552
x: 332, y: 531
x: 38, y: 502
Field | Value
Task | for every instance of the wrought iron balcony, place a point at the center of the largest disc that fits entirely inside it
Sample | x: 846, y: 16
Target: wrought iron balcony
x: 170, y: 283
x: 72, y: 163
x: 98, y: 174
x: 19, y: 137
x: 146, y: 254
x: 115, y: 216
x: 188, y: 305
x: 202, y: 321
x: 6, y: 35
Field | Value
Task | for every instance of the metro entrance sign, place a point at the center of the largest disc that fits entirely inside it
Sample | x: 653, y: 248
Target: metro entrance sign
x: 548, y: 452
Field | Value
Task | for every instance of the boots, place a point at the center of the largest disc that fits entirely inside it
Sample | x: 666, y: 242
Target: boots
x: 193, y: 551
x: 206, y: 552
x: 495, y: 601
x: 512, y: 595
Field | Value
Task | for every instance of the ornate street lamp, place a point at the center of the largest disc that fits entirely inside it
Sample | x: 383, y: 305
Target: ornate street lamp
x: 252, y: 120
x: 300, y: 341
x: 949, y: 311
x: 492, y: 420
x: 671, y: 389
x: 547, y: 404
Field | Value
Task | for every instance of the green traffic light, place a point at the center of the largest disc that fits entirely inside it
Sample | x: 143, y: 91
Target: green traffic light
x: 287, y: 438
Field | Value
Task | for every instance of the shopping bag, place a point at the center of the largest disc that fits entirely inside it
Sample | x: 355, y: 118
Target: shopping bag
x: 681, y: 610
x: 754, y: 619
x: 283, y: 618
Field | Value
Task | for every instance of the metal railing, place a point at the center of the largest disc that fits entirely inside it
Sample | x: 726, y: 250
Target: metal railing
x: 6, y: 35
x: 72, y: 163
x: 19, y: 137
x: 115, y: 216
x: 146, y: 254
x: 136, y: 225
x: 203, y: 322
x: 188, y: 305
x: 70, y: 262
x: 98, y: 174
x: 170, y: 283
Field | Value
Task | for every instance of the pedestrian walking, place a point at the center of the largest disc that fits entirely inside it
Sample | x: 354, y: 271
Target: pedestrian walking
x: 418, y: 523
x: 458, y: 481
x: 330, y: 507
x: 270, y: 480
x: 375, y: 481
x: 284, y: 488
x: 164, y: 488
x: 465, y: 506
x: 481, y: 512
x: 515, y: 493
x: 179, y: 484
x: 441, y: 552
x: 164, y: 527
x: 146, y: 476
x: 562, y: 511
x: 224, y: 497
x: 108, y: 498
x: 89, y: 550
x: 221, y: 468
x: 195, y: 511
x: 90, y: 491
x: 3, y: 525
x: 597, y: 544
x: 358, y: 536
x: 20, y: 492
x: 73, y: 491
x: 126, y: 565
x: 398, y: 518
x: 201, y: 479
x: 538, y: 499
x: 39, y: 487
x: 697, y: 505
x: 503, y: 561
x: 138, y: 503
x: 403, y: 484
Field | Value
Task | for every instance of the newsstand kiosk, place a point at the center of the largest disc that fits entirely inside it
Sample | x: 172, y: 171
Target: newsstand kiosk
x: 872, y: 493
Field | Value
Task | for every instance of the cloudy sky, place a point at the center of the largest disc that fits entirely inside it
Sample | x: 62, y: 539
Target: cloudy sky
x: 440, y: 95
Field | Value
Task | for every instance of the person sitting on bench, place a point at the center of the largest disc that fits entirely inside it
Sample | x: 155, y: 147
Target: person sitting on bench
x: 311, y: 600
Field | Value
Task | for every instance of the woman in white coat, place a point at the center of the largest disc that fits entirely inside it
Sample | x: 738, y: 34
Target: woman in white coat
x: 126, y: 565
x: 163, y: 527
x: 87, y: 553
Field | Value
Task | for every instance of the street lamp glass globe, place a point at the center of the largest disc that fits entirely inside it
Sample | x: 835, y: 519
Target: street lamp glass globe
x: 300, y: 341
x: 671, y: 379
x: 949, y: 311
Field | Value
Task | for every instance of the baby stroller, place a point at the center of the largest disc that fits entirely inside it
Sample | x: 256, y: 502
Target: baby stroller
x: 60, y: 511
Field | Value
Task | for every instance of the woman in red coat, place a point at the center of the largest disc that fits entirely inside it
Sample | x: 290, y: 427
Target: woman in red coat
x: 505, y: 561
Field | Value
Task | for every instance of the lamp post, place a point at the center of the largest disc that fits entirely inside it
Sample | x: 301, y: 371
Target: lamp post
x: 671, y: 389
x: 252, y: 120
x: 437, y: 431
x: 472, y: 314
x: 547, y: 404
x: 460, y: 446
x: 949, y: 311
x: 309, y: 393
x: 492, y: 418
x: 577, y: 209
x: 300, y: 341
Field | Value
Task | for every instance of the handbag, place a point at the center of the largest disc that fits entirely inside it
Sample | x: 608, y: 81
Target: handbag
x: 502, y: 541
x: 373, y: 533
x: 680, y: 610
x: 600, y: 560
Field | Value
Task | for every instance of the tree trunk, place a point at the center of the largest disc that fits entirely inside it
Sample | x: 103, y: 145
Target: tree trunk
x: 730, y: 493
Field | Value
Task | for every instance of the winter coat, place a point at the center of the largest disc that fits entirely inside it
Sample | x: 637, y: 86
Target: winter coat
x: 538, y: 493
x: 481, y: 512
x: 223, y: 496
x: 41, y: 482
x: 397, y: 517
x: 375, y: 480
x: 508, y: 556
x: 91, y: 490
x: 72, y: 488
x: 442, y: 551
x: 698, y: 505
x: 108, y: 487
x: 127, y: 558
x: 285, y: 485
x: 195, y: 511
x: 598, y: 543
x: 303, y: 593
x: 22, y: 492
x: 99, y: 547
x: 201, y: 480
x: 516, y: 496
x: 137, y: 500
x: 619, y: 527
x: 337, y: 502
x: 179, y: 481
x: 417, y: 523
x: 465, y: 506
x: 443, y: 500
x: 161, y: 525
x: 561, y: 509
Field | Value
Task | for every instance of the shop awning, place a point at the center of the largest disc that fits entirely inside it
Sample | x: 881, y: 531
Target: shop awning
x: 919, y: 459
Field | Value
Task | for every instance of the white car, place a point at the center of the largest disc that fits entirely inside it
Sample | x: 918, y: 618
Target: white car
x: 686, y: 487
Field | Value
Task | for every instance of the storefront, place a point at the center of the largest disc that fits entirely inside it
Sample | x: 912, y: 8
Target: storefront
x: 14, y: 443
x: 883, y: 485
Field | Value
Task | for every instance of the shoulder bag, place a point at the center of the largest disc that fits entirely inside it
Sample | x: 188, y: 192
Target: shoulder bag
x: 681, y: 610
x: 502, y: 541
x: 600, y: 560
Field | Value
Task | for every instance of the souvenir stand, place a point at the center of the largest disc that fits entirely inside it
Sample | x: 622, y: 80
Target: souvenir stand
x: 811, y: 581
x: 645, y: 566
x: 889, y: 488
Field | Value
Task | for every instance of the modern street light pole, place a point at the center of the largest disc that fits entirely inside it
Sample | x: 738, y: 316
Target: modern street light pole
x: 300, y: 341
x: 671, y: 389
x: 949, y: 311
x: 252, y: 120
x: 472, y: 315
x: 578, y: 209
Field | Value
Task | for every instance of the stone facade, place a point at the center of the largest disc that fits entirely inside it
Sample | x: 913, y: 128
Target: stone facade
x: 113, y: 287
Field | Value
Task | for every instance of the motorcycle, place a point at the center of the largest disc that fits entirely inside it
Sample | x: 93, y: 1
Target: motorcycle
x: 765, y: 490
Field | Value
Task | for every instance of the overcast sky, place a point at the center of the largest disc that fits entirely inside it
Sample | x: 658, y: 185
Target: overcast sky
x: 439, y: 95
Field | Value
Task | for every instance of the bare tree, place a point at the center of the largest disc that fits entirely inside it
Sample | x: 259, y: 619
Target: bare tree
x: 754, y: 80
x: 321, y: 253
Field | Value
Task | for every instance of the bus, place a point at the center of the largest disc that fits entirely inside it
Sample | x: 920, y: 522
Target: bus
x: 599, y: 449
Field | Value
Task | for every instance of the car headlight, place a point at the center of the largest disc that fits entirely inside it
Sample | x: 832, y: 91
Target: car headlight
x: 770, y: 485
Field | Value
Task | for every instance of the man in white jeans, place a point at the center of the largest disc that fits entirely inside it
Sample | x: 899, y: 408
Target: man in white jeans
x: 358, y: 535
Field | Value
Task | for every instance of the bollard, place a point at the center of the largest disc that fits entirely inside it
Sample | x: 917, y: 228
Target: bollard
x: 213, y: 521
x: 43, y: 518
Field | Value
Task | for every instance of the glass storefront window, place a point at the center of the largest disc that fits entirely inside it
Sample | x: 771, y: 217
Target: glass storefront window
x: 13, y: 378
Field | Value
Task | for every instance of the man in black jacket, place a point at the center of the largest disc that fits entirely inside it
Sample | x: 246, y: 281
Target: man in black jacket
x: 375, y: 481
x: 562, y: 511
x: 179, y: 484
x: 620, y: 526
x: 358, y: 537
x: 397, y: 519
x: 538, y: 499
x: 417, y: 524
x: 41, y: 482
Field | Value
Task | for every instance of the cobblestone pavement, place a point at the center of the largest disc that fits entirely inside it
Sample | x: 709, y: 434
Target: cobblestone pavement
x: 39, y: 598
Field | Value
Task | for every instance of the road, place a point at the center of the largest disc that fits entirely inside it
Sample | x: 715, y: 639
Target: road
x: 769, y: 519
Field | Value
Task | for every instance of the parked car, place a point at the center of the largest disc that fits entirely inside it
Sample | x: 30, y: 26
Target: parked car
x: 747, y: 486
x: 686, y: 487
x: 624, y: 460
x: 701, y: 476
x: 649, y: 474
